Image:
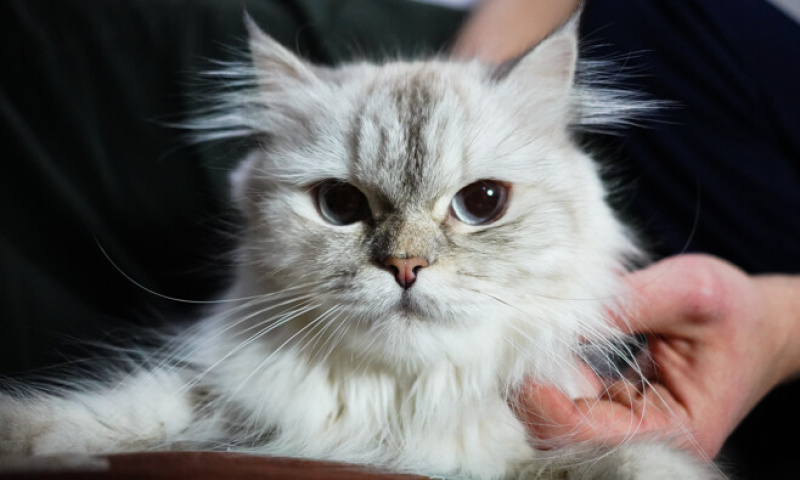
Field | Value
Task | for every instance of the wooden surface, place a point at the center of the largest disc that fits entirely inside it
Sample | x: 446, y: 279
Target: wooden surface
x: 185, y: 465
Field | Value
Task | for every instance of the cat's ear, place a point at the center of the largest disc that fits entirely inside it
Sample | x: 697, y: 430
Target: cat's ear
x: 549, y: 65
x: 238, y: 178
x: 276, y: 67
x: 246, y: 180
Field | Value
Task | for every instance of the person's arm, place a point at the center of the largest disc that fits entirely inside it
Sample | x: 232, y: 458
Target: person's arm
x: 499, y: 30
x: 721, y: 340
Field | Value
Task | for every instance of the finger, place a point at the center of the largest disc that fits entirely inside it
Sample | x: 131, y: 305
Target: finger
x: 553, y: 417
x: 625, y: 394
x: 544, y: 407
x: 623, y: 411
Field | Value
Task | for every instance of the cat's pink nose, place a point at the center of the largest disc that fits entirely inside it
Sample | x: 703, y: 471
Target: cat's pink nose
x: 405, y: 269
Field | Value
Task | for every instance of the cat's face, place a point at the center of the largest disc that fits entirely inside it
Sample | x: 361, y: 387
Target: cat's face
x: 430, y: 208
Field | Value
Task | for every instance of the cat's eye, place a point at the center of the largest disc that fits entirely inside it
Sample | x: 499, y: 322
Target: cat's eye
x: 480, y: 203
x: 340, y: 203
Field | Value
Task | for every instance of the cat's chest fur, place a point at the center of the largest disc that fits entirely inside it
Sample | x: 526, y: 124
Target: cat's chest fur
x: 444, y: 418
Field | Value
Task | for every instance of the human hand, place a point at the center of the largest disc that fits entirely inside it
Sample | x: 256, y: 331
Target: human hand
x: 500, y: 30
x: 720, y: 340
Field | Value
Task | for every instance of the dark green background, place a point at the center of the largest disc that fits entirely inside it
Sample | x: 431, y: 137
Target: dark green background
x: 88, y: 91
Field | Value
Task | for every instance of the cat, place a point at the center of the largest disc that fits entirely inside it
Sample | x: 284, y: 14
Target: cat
x: 421, y: 237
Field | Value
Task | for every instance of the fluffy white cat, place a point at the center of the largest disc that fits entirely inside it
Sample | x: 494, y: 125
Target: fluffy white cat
x: 420, y: 238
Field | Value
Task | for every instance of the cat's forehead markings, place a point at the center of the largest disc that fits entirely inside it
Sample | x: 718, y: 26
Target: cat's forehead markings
x: 354, y: 137
x: 360, y: 165
x: 398, y: 112
x: 414, y: 101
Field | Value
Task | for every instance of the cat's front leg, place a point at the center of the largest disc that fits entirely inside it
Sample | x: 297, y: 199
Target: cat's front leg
x: 659, y: 461
x: 144, y: 411
x: 641, y: 460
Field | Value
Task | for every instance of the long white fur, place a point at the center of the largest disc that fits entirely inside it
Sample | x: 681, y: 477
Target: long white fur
x: 283, y: 366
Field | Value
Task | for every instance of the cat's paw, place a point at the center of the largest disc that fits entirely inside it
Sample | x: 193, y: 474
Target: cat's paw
x: 18, y: 425
x: 657, y: 461
x: 33, y: 426
x: 633, y: 461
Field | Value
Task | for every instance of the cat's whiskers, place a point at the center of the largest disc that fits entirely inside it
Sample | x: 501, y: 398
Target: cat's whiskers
x: 646, y: 387
x: 527, y: 290
x: 325, y: 319
x: 567, y: 365
x: 533, y: 344
x: 362, y: 364
x: 622, y: 352
x: 139, y: 285
x: 277, y: 350
x: 588, y: 329
x: 189, y: 348
x: 258, y: 313
x: 272, y: 323
x: 343, y: 320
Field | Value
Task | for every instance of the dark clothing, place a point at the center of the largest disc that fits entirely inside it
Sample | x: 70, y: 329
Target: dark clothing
x: 96, y: 182
x: 719, y: 171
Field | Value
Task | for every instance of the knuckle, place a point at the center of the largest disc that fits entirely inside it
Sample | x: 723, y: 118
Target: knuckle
x: 706, y: 289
